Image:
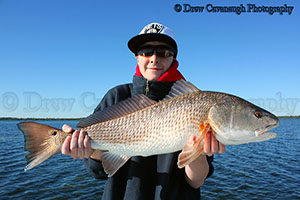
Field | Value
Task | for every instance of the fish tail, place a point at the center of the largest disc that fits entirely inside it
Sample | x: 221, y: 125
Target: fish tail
x: 41, y: 141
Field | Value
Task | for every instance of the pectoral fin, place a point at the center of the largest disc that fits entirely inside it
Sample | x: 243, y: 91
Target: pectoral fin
x: 194, y: 147
x: 112, y: 162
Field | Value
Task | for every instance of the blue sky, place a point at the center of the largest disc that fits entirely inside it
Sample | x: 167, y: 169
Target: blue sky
x: 58, y: 58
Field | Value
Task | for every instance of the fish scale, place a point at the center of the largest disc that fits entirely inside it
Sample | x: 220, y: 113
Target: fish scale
x: 163, y: 130
x: 139, y: 126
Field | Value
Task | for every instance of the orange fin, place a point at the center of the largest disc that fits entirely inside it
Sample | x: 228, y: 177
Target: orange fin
x: 112, y: 162
x: 194, y: 147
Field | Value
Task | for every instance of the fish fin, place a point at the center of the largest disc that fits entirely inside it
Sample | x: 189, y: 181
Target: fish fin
x: 120, y: 109
x: 194, y: 147
x: 38, y: 142
x: 180, y: 88
x: 112, y: 162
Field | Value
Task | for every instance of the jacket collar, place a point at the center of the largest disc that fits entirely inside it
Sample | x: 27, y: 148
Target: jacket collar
x: 155, y: 90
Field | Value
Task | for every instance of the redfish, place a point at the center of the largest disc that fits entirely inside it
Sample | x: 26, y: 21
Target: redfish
x: 139, y: 126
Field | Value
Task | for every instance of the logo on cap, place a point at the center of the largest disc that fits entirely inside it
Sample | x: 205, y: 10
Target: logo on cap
x: 152, y: 28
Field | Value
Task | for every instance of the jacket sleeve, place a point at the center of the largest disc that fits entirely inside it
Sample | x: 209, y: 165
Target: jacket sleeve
x: 112, y: 97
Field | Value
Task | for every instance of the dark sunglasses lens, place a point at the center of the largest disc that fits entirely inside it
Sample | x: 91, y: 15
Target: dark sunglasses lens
x: 147, y: 52
x: 160, y: 51
x: 164, y: 53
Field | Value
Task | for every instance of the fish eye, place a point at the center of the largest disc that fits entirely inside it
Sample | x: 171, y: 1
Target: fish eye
x: 54, y: 133
x: 258, y: 114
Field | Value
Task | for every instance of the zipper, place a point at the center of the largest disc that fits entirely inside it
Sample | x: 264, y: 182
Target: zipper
x: 147, y: 87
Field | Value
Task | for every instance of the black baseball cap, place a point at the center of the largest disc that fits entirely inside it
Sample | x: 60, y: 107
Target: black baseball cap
x: 153, y: 32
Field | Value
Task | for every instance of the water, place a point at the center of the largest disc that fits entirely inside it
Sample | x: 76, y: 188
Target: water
x: 266, y: 170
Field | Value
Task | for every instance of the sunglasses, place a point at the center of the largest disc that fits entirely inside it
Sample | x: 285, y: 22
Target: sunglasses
x: 159, y: 50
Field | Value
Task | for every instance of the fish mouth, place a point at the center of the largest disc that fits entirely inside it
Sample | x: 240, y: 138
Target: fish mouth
x: 267, y: 128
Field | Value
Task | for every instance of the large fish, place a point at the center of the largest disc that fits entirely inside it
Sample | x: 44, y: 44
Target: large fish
x: 139, y: 126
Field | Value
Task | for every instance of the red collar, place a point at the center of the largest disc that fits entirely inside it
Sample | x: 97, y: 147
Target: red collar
x: 171, y: 75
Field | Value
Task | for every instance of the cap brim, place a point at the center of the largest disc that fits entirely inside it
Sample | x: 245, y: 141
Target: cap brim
x: 135, y: 42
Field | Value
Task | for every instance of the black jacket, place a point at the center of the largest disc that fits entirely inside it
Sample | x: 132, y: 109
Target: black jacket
x: 153, y: 177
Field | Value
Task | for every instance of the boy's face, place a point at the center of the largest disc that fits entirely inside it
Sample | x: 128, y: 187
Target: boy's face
x: 152, y: 67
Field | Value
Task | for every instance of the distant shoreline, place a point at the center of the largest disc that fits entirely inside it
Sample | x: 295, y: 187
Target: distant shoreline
x: 69, y: 119
x: 289, y: 117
